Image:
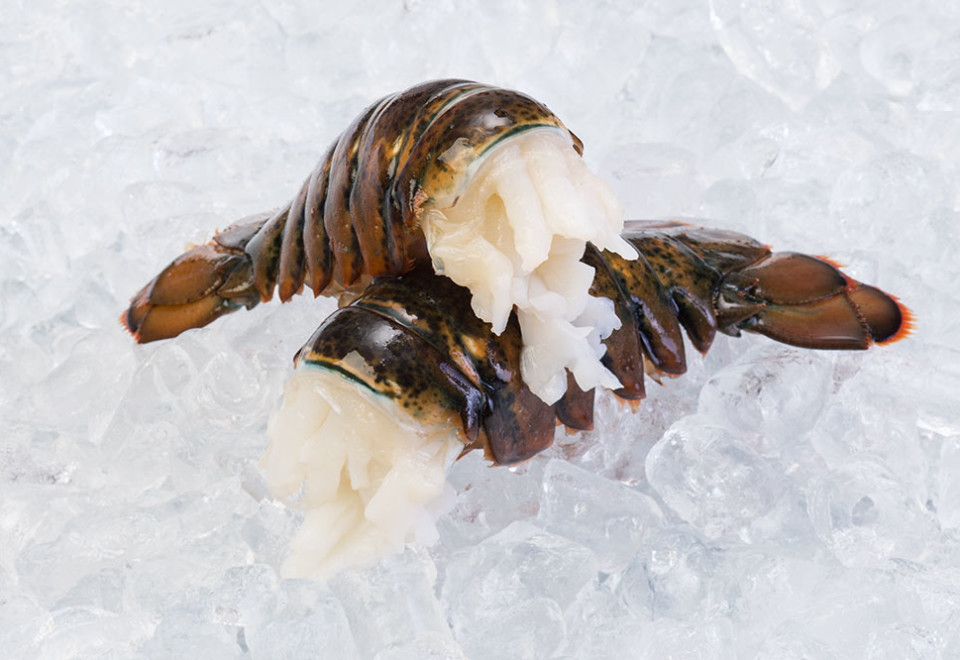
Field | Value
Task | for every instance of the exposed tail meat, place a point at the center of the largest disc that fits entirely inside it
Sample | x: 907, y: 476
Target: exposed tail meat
x: 415, y: 339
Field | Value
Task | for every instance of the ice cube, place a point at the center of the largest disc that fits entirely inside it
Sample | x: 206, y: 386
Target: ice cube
x: 670, y: 576
x: 604, y: 516
x: 712, y: 478
x: 305, y: 621
x: 431, y: 646
x: 391, y: 602
x: 780, y: 47
x: 867, y: 517
x: 507, y: 594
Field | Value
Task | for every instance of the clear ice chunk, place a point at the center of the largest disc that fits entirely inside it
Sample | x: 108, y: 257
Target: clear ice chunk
x: 430, y: 646
x: 370, y: 597
x: 670, y: 575
x: 305, y: 620
x: 710, y: 478
x: 509, y: 592
x: 610, y: 519
x: 781, y: 47
x: 866, y: 517
x: 601, y: 627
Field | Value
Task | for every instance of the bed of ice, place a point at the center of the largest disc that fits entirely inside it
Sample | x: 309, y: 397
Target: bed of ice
x: 773, y: 503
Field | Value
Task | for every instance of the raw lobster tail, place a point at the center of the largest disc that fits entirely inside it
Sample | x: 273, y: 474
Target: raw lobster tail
x: 707, y: 280
x: 198, y: 287
x: 808, y: 302
x: 358, y: 214
x: 489, y: 286
x: 415, y: 340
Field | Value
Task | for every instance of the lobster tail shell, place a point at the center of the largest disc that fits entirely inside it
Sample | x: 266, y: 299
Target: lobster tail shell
x: 357, y: 216
x: 198, y: 287
x: 415, y: 339
x: 671, y: 285
x: 807, y: 302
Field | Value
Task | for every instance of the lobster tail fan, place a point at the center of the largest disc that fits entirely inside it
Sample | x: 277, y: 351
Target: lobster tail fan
x: 197, y: 288
x: 806, y: 301
x: 884, y: 316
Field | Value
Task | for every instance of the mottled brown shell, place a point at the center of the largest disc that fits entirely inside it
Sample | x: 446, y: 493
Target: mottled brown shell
x: 357, y: 216
x: 415, y: 340
x: 411, y: 335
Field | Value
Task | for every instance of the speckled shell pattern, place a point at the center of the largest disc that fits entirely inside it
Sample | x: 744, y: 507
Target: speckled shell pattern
x: 356, y: 217
x: 411, y: 336
x: 415, y: 339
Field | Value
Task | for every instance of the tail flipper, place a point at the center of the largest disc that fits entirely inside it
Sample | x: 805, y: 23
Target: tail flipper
x: 196, y: 288
x: 806, y: 301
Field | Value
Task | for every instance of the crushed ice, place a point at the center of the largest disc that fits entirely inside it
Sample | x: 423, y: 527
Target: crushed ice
x: 771, y: 503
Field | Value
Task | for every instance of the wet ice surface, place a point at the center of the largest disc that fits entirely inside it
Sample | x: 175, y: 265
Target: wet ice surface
x: 772, y: 503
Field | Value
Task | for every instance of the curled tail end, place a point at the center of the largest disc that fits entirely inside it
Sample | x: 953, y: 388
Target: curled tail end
x: 196, y: 288
x: 808, y: 302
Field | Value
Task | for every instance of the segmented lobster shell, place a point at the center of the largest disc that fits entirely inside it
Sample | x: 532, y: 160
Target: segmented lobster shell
x: 356, y: 215
x: 414, y: 338
x: 411, y: 335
